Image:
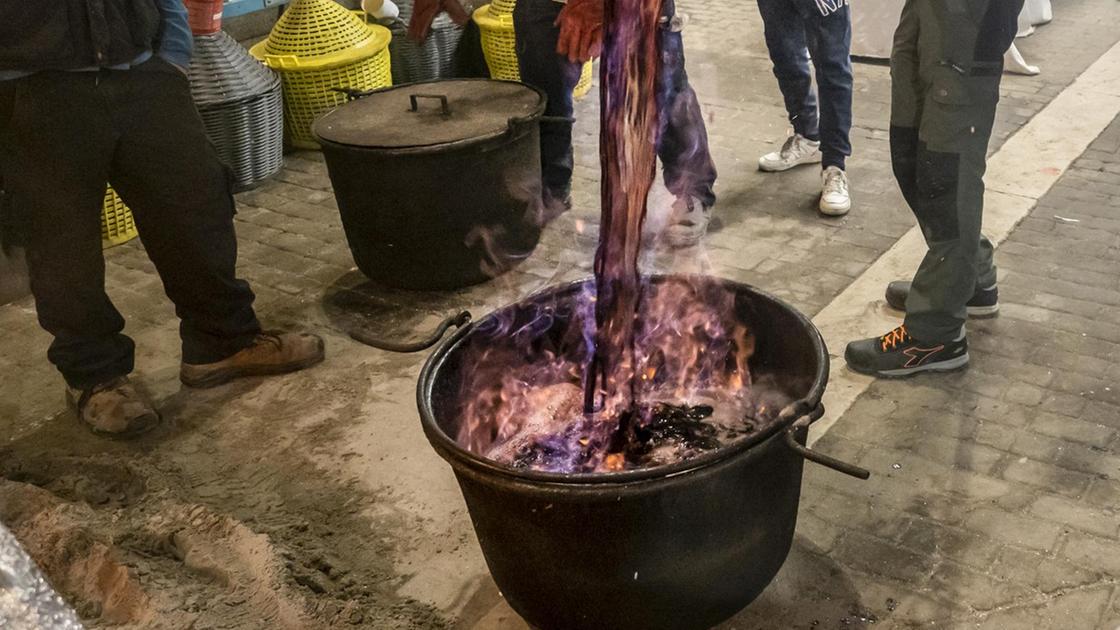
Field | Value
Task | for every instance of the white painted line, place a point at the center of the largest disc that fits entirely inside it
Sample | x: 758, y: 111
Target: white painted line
x: 1019, y: 174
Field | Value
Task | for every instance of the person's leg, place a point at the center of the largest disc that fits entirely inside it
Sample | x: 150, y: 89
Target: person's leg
x: 785, y: 39
x: 682, y: 140
x: 534, y: 23
x: 829, y: 39
x: 57, y: 148
x: 170, y: 175
x: 952, y: 158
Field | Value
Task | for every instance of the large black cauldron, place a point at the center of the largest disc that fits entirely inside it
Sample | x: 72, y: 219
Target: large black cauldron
x: 438, y: 184
x: 682, y: 546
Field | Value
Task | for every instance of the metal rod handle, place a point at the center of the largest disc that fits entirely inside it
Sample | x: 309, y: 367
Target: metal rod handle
x: 415, y: 100
x: 821, y: 458
x: 459, y: 320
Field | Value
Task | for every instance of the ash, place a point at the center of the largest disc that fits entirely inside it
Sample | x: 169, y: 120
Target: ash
x: 655, y: 432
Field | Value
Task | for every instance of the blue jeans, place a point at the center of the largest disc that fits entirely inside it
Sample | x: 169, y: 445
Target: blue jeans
x: 796, y: 31
x: 682, y: 136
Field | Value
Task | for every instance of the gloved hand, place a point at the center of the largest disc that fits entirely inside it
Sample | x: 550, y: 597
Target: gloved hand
x: 581, y: 30
x: 424, y: 11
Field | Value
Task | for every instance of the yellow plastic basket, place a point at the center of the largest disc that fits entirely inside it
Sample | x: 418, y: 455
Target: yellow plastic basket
x: 316, y: 46
x: 502, y: 7
x: 499, y: 46
x: 117, y: 226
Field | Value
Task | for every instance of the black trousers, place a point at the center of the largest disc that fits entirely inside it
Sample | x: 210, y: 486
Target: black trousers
x: 63, y: 135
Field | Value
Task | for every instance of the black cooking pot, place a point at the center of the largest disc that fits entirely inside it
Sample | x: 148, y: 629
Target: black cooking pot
x: 681, y: 546
x: 438, y: 184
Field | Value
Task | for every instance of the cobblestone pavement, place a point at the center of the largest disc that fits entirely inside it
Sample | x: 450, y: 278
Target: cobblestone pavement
x: 994, y: 495
x: 995, y: 492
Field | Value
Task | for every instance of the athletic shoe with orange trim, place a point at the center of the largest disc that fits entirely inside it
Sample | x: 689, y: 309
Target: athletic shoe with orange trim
x: 897, y: 354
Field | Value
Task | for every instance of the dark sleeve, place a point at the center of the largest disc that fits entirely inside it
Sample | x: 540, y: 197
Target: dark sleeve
x: 176, y: 43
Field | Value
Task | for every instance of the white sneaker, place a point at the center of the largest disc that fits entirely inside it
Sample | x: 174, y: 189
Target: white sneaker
x: 835, y: 200
x: 796, y: 151
x: 688, y: 222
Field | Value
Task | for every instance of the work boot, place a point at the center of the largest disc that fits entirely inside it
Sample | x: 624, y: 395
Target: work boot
x: 796, y: 151
x: 835, y: 199
x: 983, y: 303
x: 271, y: 353
x: 897, y: 354
x: 113, y: 409
x: 688, y: 222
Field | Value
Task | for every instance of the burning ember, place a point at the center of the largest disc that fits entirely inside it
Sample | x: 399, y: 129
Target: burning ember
x: 692, y: 393
x: 627, y: 373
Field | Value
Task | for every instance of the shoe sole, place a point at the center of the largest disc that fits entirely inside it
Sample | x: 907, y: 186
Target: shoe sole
x: 834, y: 211
x: 951, y: 365
x: 781, y: 169
x: 974, y: 312
x: 225, y: 375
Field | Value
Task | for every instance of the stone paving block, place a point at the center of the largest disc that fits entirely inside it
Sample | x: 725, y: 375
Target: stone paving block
x: 1053, y: 478
x: 878, y: 557
x: 925, y: 536
x: 1027, y: 373
x: 1014, y: 529
x: 1092, y: 552
x: 1078, y: 609
x: 1100, y: 522
x: 983, y: 592
x: 1064, y: 404
x: 1041, y: 572
x: 1073, y: 430
x: 1094, y: 462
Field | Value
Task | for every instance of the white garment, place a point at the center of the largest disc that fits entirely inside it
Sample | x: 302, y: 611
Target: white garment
x: 874, y: 23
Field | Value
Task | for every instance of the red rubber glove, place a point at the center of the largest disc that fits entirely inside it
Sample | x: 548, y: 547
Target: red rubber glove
x: 425, y: 11
x: 581, y: 30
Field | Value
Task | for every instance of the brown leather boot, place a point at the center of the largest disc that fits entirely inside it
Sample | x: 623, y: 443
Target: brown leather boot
x: 272, y: 352
x: 113, y: 409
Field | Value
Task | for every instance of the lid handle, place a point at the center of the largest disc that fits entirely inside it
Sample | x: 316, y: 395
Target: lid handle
x: 415, y: 98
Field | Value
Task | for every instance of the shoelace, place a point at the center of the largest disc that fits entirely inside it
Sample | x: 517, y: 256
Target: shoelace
x: 834, y: 183
x: 270, y: 337
x: 894, y: 338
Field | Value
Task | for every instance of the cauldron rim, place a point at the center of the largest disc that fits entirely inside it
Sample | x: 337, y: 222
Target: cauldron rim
x: 457, y: 456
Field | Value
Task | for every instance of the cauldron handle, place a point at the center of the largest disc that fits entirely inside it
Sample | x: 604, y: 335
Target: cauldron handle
x: 459, y: 320
x: 820, y: 458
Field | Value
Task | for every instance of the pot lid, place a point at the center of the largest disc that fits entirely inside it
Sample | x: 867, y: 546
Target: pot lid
x: 429, y: 114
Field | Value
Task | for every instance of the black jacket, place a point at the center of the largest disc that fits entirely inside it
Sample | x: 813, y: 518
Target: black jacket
x: 71, y: 34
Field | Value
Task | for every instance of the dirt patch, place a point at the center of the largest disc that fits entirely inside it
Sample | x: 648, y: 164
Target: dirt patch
x: 206, y: 525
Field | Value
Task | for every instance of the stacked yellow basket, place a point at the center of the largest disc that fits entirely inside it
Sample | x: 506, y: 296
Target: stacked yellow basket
x: 317, y: 46
x: 499, y: 46
x: 117, y: 226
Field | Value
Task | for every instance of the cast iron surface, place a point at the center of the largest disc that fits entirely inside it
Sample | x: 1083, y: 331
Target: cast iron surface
x: 443, y: 216
x: 787, y: 343
x: 676, y: 547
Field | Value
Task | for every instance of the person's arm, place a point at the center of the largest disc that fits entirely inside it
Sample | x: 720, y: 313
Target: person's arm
x: 176, y: 42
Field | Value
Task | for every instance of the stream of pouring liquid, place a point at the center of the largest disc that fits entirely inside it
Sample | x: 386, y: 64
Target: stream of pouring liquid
x: 627, y: 134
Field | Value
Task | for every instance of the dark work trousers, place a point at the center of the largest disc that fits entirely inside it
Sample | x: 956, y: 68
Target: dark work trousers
x: 66, y: 135
x: 682, y: 136
x: 945, y: 70
x: 795, y: 32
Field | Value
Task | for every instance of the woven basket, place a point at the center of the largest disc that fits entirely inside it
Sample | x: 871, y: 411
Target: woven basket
x: 316, y: 46
x: 117, y: 225
x: 499, y: 46
x: 427, y: 61
x: 241, y: 105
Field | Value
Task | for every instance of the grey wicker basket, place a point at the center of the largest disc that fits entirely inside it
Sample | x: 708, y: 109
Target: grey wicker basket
x: 240, y: 103
x: 432, y: 59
